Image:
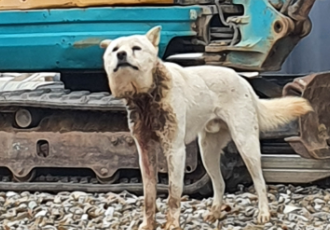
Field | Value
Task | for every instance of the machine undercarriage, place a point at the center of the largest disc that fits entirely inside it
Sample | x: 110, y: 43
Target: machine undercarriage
x: 57, y: 139
x: 59, y: 132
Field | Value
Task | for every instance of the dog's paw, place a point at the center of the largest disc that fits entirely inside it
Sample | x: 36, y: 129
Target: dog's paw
x: 217, y: 213
x: 263, y: 216
x: 212, y: 216
x: 145, y: 226
x: 171, y: 226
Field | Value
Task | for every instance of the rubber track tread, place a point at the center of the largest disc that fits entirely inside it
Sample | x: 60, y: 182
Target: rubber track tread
x: 61, y: 99
x: 76, y: 100
x: 130, y: 187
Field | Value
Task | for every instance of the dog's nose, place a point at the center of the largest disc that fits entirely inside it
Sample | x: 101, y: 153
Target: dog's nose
x: 121, y: 55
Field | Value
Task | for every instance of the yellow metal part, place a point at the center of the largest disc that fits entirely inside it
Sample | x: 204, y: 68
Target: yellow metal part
x: 47, y: 4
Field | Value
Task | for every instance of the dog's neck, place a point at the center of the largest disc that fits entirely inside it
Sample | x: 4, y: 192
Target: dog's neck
x: 159, y: 89
x: 149, y: 112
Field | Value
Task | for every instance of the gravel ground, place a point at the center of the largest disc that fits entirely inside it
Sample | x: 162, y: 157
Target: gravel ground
x: 291, y: 208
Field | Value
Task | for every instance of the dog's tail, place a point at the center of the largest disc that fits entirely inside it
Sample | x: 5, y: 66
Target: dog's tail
x: 280, y: 111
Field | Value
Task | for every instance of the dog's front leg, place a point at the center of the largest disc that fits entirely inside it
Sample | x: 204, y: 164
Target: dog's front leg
x: 148, y: 165
x: 176, y: 159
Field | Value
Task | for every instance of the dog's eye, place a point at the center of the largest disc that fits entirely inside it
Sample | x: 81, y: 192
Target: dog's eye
x: 115, y: 49
x: 136, y: 48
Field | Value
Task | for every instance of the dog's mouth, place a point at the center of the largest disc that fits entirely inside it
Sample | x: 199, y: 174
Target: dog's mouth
x: 125, y: 64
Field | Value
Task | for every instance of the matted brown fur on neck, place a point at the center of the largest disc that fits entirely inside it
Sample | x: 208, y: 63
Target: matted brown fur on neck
x: 153, y: 125
x: 151, y: 113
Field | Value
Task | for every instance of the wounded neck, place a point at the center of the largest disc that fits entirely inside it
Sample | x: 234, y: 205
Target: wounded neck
x: 161, y: 85
x: 150, y: 112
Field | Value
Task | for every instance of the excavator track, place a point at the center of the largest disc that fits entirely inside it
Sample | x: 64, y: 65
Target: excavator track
x: 90, y: 184
x: 54, y: 139
x: 35, y: 124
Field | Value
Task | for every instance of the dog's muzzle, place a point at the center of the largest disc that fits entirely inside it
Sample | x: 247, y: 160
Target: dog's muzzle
x: 122, y: 61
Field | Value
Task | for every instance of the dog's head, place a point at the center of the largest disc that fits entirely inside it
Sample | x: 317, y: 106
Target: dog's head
x: 129, y: 62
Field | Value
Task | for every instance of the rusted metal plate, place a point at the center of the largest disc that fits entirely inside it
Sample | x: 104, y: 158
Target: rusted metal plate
x: 103, y: 152
x: 47, y: 4
x: 314, y: 139
x: 300, y: 9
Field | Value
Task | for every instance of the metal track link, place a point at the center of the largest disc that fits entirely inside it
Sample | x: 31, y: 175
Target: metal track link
x: 280, y: 168
x: 73, y: 184
x: 61, y: 99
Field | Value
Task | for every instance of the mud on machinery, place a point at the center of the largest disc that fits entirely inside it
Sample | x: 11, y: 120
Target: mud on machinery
x: 61, y: 129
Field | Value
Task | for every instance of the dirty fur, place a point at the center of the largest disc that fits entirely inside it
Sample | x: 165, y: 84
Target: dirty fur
x: 169, y: 106
x: 149, y: 113
x: 153, y: 120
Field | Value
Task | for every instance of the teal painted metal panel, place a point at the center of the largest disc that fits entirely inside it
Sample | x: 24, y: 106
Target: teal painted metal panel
x: 68, y: 39
x: 259, y: 29
x: 257, y: 34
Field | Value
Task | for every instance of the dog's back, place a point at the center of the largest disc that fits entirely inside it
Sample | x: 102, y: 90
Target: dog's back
x: 224, y: 89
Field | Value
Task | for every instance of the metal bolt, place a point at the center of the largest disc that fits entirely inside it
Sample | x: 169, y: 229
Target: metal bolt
x: 20, y: 172
x: 129, y: 140
x: 328, y: 142
x: 104, y: 171
x: 114, y: 140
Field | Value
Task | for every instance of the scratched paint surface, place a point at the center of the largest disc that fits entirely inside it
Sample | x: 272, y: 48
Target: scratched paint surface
x: 257, y: 32
x: 259, y: 29
x: 63, y: 39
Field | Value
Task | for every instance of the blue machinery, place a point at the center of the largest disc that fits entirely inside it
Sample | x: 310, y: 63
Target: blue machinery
x: 247, y: 35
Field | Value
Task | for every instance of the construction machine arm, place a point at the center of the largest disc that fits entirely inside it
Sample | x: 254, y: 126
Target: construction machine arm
x: 263, y: 36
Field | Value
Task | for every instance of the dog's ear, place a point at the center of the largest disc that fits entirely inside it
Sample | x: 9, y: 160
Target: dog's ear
x: 154, y: 35
x: 105, y: 43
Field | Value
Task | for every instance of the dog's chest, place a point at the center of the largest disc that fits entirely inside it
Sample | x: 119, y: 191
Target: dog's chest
x: 151, y: 119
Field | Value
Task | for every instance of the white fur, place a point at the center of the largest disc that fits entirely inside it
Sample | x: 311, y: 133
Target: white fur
x: 213, y: 103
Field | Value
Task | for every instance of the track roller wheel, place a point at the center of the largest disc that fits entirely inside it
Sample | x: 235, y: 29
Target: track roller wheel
x: 26, y: 178
x: 109, y: 180
x: 27, y: 118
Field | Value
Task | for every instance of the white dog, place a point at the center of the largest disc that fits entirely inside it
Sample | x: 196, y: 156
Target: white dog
x: 169, y: 106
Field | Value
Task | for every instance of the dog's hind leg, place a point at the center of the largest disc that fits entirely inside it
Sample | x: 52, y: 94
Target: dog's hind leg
x: 244, y: 129
x: 211, y: 145
x: 176, y: 159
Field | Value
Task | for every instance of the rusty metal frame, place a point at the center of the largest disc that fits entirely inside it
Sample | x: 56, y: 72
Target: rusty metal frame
x: 104, y: 153
x: 314, y: 139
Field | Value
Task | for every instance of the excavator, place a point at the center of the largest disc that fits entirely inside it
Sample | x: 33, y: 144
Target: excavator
x: 61, y: 129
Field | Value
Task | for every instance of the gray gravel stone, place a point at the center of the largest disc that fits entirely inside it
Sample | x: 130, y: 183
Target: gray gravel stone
x: 292, y: 208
